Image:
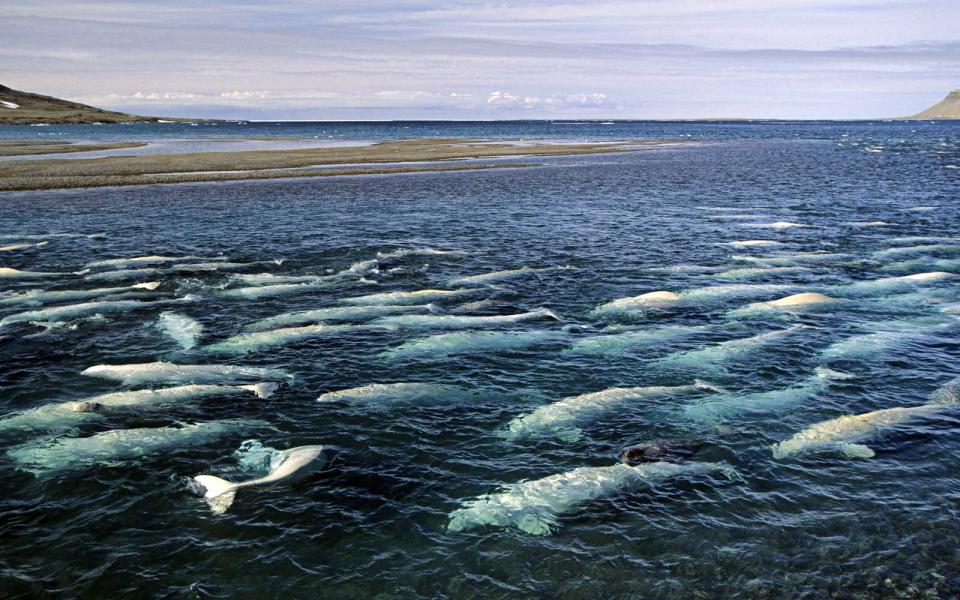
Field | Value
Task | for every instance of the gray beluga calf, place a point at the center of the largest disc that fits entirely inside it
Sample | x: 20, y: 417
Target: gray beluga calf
x: 72, y: 311
x: 845, y: 433
x: 385, y: 395
x: 725, y: 405
x: 462, y: 321
x: 713, y: 357
x: 166, y: 372
x: 336, y: 313
x: 486, y: 278
x: 258, y: 340
x: 295, y: 462
x: 416, y: 297
x: 564, y: 418
x: 41, y: 297
x: 473, y: 342
x: 118, y: 445
x: 62, y: 416
x: 533, y: 506
x: 181, y: 328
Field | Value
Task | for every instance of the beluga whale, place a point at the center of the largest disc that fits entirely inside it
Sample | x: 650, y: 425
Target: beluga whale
x: 166, y: 372
x: 533, y: 506
x: 287, y: 466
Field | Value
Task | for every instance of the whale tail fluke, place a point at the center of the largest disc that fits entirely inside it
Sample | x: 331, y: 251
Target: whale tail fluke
x: 546, y: 312
x: 219, y: 493
x: 150, y: 285
x: 708, y: 386
x: 262, y: 390
x: 829, y: 374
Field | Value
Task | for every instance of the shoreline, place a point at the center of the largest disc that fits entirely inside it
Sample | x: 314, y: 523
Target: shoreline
x: 424, y: 155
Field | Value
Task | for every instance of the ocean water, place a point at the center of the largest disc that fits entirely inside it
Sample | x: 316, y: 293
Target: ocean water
x: 374, y: 521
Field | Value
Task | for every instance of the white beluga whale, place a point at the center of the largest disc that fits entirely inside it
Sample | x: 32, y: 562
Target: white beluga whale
x: 712, y: 358
x: 386, y: 395
x: 618, y: 344
x: 257, y: 279
x: 804, y: 302
x: 41, y: 297
x: 758, y: 272
x: 486, y: 278
x: 533, y: 506
x: 845, y: 434
x: 336, y: 313
x: 165, y: 372
x: 868, y: 223
x: 123, y: 275
x: 754, y: 243
x: 948, y: 393
x: 924, y: 264
x: 901, y: 251
x: 792, y: 259
x: 563, y: 419
x: 22, y: 246
x: 416, y: 297
x: 283, y: 289
x: 462, y: 321
x: 473, y: 342
x: 181, y: 328
x: 11, y: 273
x: 689, y: 297
x: 73, y: 311
x: 111, y: 447
x: 775, y: 225
x: 886, y: 284
x: 221, y: 266
x: 61, y: 416
x: 285, y: 466
x: 643, y: 302
x: 118, y: 263
x: 722, y: 406
x: 258, y: 340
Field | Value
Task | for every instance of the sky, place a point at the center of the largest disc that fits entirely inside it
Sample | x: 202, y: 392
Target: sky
x: 526, y: 59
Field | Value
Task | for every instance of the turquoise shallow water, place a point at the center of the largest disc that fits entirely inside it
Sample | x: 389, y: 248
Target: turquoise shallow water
x: 374, y: 521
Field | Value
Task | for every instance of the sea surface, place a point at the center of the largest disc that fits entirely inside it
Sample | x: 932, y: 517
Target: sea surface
x: 404, y: 503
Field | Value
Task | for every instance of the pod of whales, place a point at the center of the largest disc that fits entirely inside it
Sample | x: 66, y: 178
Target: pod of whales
x: 291, y: 463
x: 533, y: 506
x: 110, y: 447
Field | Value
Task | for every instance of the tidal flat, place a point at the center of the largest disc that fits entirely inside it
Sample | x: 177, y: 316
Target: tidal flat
x: 398, y: 156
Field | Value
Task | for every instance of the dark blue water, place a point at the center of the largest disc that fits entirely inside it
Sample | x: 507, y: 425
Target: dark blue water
x: 373, y: 522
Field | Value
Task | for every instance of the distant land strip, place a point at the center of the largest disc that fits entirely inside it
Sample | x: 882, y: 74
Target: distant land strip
x: 46, y: 174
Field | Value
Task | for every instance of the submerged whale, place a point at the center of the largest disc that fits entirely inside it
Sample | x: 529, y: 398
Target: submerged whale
x: 462, y: 321
x: 885, y: 284
x: 721, y: 406
x: 255, y: 279
x: 11, y: 273
x: 471, y: 342
x: 417, y: 297
x: 62, y: 416
x: 564, y: 418
x: 533, y: 506
x: 181, y: 328
x: 22, y: 246
x: 165, y: 372
x: 845, y: 433
x: 146, y: 260
x: 336, y: 313
x: 282, y: 289
x: 43, y: 456
x: 72, y: 311
x: 220, y: 493
x: 712, y: 357
x: 41, y: 297
x: 384, y: 395
x: 123, y: 275
x: 258, y: 340
x: 617, y: 344
x: 669, y: 450
x: 486, y: 278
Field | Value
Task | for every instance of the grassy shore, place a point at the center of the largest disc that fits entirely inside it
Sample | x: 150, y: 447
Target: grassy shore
x: 272, y: 164
x: 27, y: 148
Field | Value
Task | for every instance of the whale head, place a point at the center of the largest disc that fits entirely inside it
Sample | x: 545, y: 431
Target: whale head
x: 88, y: 406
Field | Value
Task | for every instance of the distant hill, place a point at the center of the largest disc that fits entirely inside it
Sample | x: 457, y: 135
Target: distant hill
x: 24, y: 108
x: 948, y: 108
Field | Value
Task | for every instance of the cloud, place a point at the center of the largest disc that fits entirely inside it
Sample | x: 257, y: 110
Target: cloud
x: 508, y: 100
